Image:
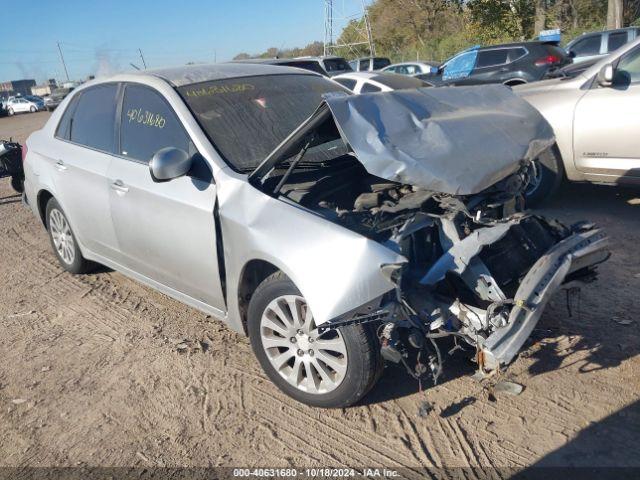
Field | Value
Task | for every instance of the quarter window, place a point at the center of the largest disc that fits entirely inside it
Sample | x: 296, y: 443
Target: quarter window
x: 347, y: 82
x: 94, y: 118
x: 149, y: 124
x: 370, y: 88
x: 64, y: 127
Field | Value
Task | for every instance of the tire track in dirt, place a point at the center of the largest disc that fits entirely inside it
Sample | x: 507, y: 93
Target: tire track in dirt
x: 332, y: 430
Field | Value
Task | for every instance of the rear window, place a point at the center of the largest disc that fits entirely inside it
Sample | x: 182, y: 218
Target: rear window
x: 93, y: 121
x: 616, y: 40
x: 379, y: 63
x: 587, y: 46
x: 247, y: 118
x: 490, y: 58
x: 306, y: 65
x: 336, y: 65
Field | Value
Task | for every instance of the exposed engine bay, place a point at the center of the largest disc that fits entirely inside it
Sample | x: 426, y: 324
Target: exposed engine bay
x: 466, y: 256
x: 479, y: 268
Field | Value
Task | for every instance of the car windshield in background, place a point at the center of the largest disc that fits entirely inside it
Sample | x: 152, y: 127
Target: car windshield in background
x: 247, y: 118
x: 336, y: 65
x: 399, y: 82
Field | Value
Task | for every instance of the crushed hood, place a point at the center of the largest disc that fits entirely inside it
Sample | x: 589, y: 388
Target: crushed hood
x: 454, y: 140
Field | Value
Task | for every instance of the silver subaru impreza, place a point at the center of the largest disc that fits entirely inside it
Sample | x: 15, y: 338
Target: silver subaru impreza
x: 337, y: 231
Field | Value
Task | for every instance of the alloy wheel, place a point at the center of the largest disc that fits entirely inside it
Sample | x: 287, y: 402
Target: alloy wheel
x: 312, y: 362
x: 62, y: 237
x: 535, y: 178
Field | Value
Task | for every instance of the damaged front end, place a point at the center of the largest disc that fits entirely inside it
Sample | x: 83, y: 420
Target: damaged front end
x: 438, y: 176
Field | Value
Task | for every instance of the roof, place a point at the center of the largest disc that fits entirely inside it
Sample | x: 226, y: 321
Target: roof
x: 275, y: 61
x: 188, y: 74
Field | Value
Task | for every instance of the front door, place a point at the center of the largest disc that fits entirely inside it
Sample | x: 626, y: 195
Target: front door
x: 166, y: 231
x: 606, y: 125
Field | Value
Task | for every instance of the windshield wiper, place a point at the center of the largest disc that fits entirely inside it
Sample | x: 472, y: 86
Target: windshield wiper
x: 285, y: 177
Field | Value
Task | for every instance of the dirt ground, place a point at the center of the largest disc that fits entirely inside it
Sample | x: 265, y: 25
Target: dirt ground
x: 99, y: 370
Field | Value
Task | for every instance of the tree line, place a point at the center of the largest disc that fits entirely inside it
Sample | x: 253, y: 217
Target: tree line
x: 436, y: 29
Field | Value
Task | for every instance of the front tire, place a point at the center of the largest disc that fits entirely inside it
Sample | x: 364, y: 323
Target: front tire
x: 545, y: 177
x: 331, y: 370
x: 64, y: 243
x: 10, y: 112
x: 33, y: 109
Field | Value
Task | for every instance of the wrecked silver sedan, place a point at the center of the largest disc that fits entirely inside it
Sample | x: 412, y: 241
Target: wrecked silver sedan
x: 337, y: 231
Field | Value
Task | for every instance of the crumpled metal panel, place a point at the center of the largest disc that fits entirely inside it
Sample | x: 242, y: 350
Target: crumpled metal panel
x: 458, y: 141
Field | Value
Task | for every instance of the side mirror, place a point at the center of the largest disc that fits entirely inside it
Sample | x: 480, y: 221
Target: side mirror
x: 571, y: 54
x: 169, y: 163
x: 605, y: 75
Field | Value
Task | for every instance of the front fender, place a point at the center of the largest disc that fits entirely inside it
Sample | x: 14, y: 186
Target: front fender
x: 335, y: 269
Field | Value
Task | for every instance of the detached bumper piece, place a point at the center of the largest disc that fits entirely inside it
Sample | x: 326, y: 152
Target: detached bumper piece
x: 572, y: 255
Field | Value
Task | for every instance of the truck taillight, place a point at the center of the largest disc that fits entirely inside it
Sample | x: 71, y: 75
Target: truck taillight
x: 548, y: 60
x: 24, y: 152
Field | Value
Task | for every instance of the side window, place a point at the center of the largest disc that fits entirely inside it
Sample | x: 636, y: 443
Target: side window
x: 369, y: 88
x: 616, y: 40
x: 628, y: 69
x: 516, y: 53
x: 364, y: 65
x: 347, y: 82
x: 587, y: 46
x: 93, y: 122
x: 460, y: 66
x: 64, y: 127
x: 149, y: 124
x: 491, y: 58
x: 392, y: 69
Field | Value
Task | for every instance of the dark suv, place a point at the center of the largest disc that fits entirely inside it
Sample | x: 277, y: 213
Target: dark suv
x: 511, y: 64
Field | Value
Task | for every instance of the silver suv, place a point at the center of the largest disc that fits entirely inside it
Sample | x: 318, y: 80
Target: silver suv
x: 334, y: 239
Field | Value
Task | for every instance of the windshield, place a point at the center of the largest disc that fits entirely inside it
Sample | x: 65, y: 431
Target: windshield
x: 247, y: 118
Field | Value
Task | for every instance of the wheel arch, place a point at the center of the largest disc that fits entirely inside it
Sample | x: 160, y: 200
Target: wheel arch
x: 252, y: 274
x: 43, y: 198
x: 512, y: 82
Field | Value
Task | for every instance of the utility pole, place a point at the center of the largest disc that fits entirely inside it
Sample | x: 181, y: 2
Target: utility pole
x: 328, y: 26
x: 372, y: 47
x: 66, y: 72
x: 144, y: 64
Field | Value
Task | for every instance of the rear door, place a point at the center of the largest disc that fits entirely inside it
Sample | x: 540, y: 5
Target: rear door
x: 607, y: 123
x: 79, y: 160
x: 166, y: 231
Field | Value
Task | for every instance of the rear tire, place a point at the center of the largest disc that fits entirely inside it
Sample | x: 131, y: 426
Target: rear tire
x: 64, y: 243
x: 352, y: 354
x: 546, y: 177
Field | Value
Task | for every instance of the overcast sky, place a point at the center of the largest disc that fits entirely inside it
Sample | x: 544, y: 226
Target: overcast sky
x: 103, y: 37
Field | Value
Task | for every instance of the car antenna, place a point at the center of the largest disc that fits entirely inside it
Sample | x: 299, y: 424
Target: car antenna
x: 295, y: 162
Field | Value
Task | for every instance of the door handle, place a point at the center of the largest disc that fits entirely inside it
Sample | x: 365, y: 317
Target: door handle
x: 119, y: 186
x: 61, y: 166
